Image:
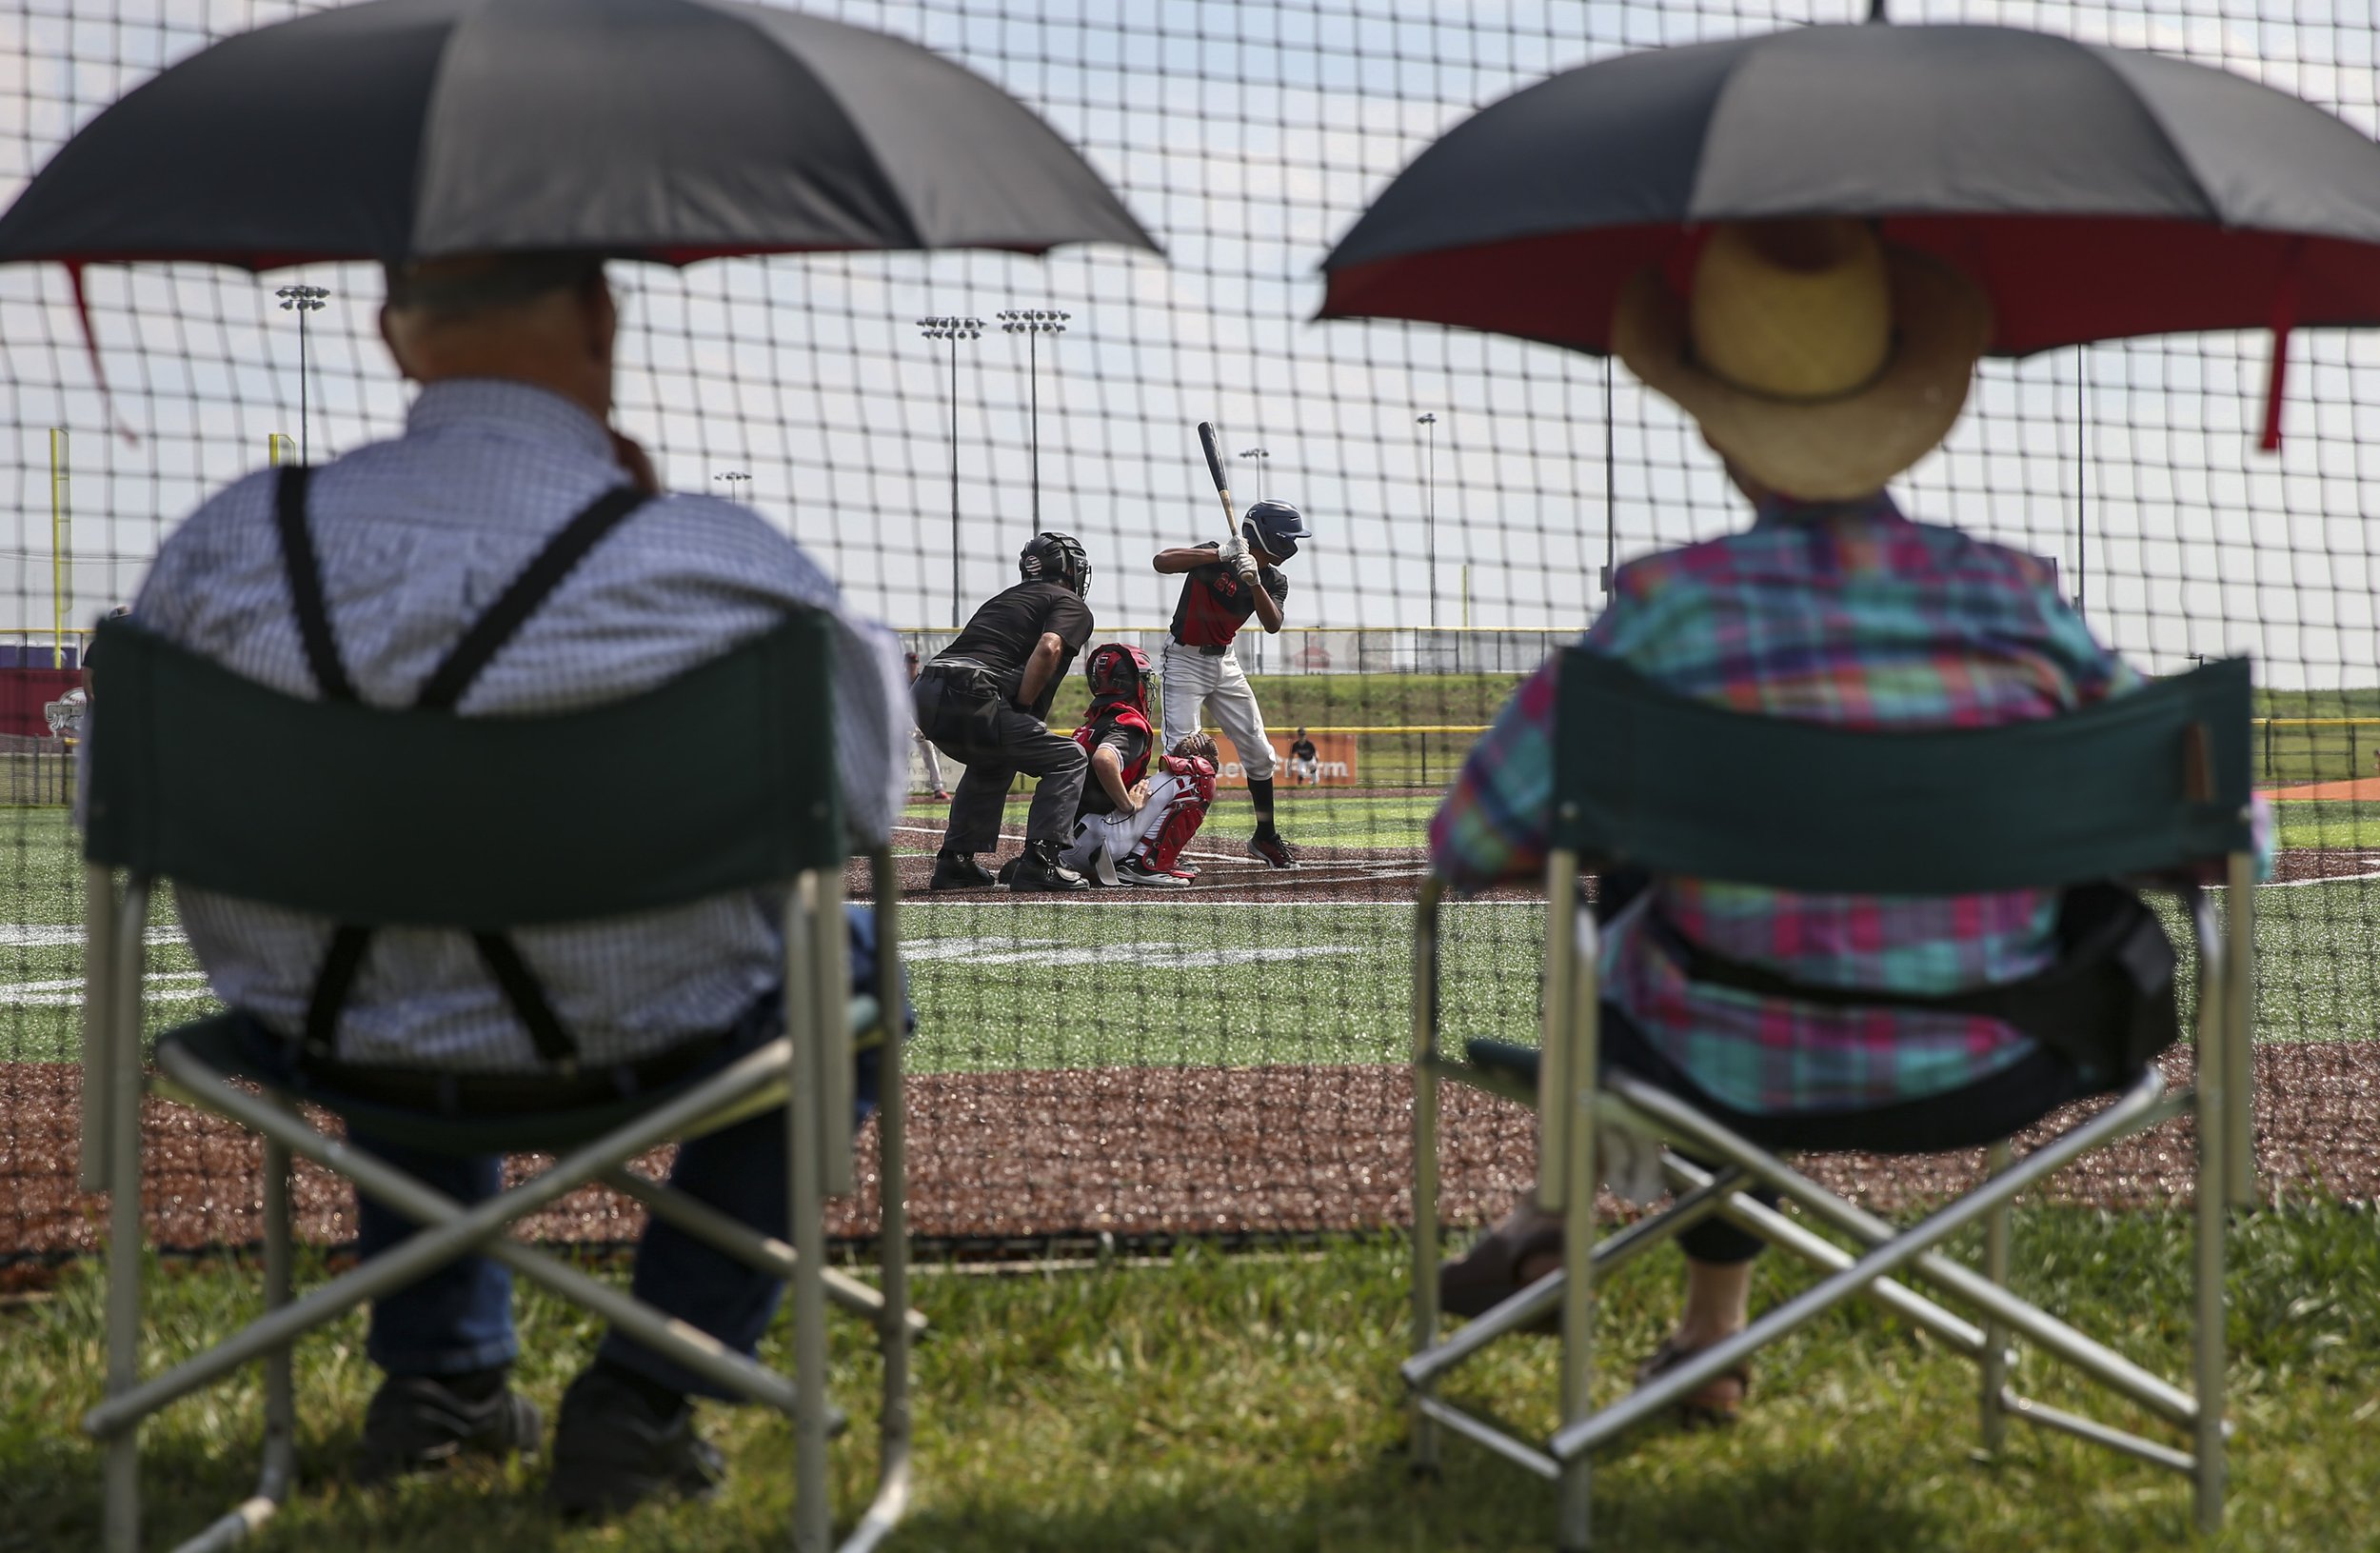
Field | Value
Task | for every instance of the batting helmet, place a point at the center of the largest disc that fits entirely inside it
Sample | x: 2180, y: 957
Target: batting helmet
x: 1056, y: 558
x: 1273, y: 528
x: 1118, y: 671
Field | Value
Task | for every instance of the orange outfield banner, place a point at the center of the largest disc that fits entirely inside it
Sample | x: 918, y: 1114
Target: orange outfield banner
x: 1334, y: 761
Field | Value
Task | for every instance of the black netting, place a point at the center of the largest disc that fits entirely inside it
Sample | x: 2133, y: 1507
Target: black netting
x: 1221, y: 1059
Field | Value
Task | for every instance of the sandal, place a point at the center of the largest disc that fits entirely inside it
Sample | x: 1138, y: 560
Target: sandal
x: 1700, y: 1410
x: 1488, y: 1274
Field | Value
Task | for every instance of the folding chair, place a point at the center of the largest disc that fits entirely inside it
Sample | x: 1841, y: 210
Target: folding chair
x: 2141, y: 788
x: 421, y: 818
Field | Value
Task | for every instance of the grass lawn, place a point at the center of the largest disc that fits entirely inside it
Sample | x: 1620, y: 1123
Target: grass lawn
x: 1222, y: 1403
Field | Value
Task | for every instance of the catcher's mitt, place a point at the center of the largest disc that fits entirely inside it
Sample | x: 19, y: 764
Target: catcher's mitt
x: 1197, y: 746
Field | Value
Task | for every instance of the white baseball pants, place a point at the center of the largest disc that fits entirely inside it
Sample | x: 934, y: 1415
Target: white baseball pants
x: 1195, y: 682
x: 1122, y: 835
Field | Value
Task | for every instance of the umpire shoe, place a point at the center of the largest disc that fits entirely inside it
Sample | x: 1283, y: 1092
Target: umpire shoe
x: 419, y: 1421
x: 959, y: 870
x: 1039, y: 870
x: 1266, y: 844
x: 1136, y: 870
x: 617, y: 1446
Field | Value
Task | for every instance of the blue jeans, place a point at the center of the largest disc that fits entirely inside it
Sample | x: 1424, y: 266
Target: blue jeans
x: 460, y: 1318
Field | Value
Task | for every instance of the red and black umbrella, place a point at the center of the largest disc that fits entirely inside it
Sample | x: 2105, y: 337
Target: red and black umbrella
x: 665, y: 130
x: 2093, y: 192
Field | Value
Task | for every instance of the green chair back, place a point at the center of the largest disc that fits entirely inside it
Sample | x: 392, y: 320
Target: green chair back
x: 2139, y: 784
x: 722, y: 779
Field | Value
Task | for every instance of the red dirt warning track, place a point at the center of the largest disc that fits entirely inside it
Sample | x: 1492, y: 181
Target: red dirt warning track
x: 1161, y: 1152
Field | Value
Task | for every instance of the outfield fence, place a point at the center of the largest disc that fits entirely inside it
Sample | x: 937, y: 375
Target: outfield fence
x: 1222, y: 1060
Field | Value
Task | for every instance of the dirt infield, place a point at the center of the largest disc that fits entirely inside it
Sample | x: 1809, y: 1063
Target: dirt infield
x: 1016, y: 1159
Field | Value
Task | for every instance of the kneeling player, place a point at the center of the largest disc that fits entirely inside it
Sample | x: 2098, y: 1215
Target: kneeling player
x: 1132, y: 827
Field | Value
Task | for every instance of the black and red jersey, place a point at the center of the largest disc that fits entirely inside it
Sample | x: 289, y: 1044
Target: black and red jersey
x: 1125, y: 728
x: 1214, y: 603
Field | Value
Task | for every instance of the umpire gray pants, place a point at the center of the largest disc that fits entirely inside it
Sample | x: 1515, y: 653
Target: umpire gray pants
x: 973, y: 726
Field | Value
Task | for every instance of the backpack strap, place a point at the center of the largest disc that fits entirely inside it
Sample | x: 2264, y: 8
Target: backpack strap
x: 2106, y: 1003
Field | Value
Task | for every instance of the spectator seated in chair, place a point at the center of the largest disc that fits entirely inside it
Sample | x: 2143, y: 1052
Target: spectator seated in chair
x: 357, y: 580
x: 1819, y: 363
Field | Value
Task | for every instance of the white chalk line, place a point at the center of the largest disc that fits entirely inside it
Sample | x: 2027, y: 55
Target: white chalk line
x: 1017, y: 951
x: 67, y: 992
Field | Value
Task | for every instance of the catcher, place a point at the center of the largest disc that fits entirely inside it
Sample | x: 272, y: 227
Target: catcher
x: 1130, y: 827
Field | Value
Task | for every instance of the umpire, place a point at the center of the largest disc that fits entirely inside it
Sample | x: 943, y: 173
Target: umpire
x: 983, y: 699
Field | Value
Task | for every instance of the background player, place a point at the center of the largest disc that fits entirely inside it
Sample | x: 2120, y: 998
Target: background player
x: 1226, y: 584
x: 1304, y: 766
x: 983, y: 699
x: 1131, y: 828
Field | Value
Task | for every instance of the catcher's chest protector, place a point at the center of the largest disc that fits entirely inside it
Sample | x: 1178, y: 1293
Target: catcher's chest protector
x: 1103, y: 718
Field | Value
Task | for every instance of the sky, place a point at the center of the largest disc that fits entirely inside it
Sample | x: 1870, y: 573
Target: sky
x: 1247, y: 137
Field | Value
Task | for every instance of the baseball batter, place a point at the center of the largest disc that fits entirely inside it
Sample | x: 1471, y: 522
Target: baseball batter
x: 1132, y: 825
x: 1223, y: 584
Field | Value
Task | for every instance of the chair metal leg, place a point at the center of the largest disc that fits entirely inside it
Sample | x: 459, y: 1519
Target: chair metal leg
x: 280, y: 1380
x: 2239, y: 986
x: 1994, y: 1363
x: 2212, y: 1099
x: 278, y: 1472
x: 1424, y: 1432
x: 121, y: 1529
x: 895, y: 1328
x: 454, y: 1230
x: 807, y: 1128
x: 99, y: 1031
x: 1580, y: 1028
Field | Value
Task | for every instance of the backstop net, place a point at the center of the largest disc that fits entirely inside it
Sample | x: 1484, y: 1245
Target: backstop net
x: 1222, y: 1059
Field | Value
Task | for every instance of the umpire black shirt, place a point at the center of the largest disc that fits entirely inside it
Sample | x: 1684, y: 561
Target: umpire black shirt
x: 1003, y: 633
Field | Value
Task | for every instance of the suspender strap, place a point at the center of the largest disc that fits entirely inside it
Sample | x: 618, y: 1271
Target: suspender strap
x: 306, y: 585
x: 446, y: 684
x: 332, y: 986
x: 441, y: 692
x: 504, y: 962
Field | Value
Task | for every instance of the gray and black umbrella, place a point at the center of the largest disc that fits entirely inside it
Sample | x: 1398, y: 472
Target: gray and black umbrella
x: 2092, y: 192
x: 663, y: 129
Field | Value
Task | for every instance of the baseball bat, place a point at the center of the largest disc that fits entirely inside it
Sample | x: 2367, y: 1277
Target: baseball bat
x: 1214, y: 466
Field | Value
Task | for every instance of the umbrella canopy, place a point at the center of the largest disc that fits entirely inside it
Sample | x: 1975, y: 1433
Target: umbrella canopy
x: 665, y: 129
x: 2092, y: 192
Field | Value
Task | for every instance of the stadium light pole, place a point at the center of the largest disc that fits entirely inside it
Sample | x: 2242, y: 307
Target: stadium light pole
x: 953, y: 330
x: 1033, y: 324
x: 1429, y: 514
x: 738, y: 483
x: 1258, y: 456
x: 303, y: 300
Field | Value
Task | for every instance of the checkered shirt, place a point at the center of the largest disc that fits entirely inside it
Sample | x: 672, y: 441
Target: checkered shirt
x: 417, y: 536
x: 1846, y: 614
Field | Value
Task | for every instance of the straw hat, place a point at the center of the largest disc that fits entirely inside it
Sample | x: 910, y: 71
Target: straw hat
x: 1816, y: 358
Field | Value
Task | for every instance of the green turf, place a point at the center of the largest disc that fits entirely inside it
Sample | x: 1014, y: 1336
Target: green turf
x: 1213, y: 1405
x: 2327, y: 824
x: 1137, y: 979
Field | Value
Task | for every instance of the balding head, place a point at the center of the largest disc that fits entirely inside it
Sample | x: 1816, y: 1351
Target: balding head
x: 543, y: 319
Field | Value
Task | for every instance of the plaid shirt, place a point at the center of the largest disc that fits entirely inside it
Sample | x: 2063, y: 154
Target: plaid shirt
x: 1848, y: 614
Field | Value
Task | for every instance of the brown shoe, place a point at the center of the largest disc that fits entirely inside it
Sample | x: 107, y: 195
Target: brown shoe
x: 1713, y: 1407
x: 1488, y: 1274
